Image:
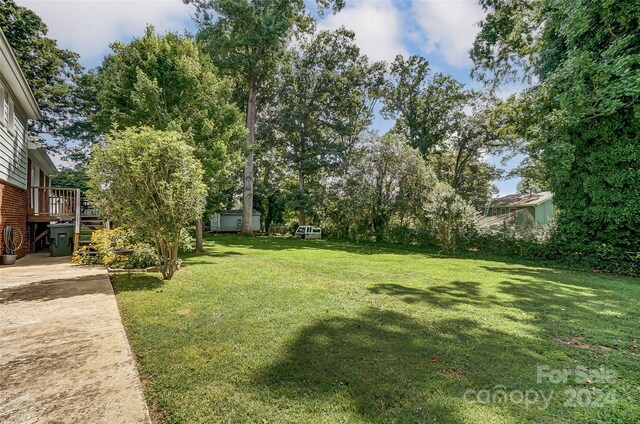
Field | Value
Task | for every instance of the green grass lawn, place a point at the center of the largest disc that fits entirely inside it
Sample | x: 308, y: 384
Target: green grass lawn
x: 271, y: 330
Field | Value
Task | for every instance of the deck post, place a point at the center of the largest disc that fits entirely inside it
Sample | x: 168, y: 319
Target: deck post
x: 76, y: 235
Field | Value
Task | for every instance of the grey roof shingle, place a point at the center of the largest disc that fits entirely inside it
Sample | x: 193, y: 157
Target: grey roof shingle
x: 526, y: 199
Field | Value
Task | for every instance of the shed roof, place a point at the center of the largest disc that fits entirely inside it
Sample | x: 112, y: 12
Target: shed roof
x: 236, y: 212
x: 526, y: 199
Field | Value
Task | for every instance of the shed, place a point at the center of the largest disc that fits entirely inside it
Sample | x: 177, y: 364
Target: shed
x: 524, y: 210
x: 230, y: 221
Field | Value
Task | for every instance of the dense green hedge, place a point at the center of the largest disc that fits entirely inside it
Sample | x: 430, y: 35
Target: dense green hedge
x: 545, y: 246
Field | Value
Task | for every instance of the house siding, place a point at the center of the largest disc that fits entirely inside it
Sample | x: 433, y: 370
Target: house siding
x: 13, y: 144
x: 13, y: 171
x: 545, y: 212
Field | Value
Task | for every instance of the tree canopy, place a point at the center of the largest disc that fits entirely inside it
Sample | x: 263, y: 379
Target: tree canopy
x: 583, y: 109
x: 50, y: 71
x: 166, y: 82
x: 306, y: 152
x: 324, y: 94
x: 453, y: 127
x: 425, y: 107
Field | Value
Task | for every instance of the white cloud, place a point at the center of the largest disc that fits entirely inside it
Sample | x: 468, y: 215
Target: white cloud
x: 377, y: 25
x: 449, y: 28
x: 505, y: 92
x: 89, y: 26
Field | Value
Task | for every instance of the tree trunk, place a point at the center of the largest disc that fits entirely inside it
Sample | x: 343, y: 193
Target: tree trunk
x: 378, y: 229
x: 247, y: 197
x: 199, y: 247
x: 168, y: 257
x: 457, y: 171
x: 301, y: 215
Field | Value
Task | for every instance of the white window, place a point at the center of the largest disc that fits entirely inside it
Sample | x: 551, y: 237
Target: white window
x: 11, y: 122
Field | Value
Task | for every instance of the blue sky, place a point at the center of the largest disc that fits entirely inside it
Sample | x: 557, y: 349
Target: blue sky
x: 440, y: 30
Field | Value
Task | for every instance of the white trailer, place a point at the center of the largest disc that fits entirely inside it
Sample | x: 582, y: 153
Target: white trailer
x: 308, y: 232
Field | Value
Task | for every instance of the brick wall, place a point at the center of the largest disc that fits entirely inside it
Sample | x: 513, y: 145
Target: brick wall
x: 13, y: 211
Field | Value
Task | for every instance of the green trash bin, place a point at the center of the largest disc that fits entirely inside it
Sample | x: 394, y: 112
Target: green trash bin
x: 61, y: 239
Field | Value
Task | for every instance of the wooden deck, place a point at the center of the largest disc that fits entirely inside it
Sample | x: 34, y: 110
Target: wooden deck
x: 47, y: 218
x: 54, y: 204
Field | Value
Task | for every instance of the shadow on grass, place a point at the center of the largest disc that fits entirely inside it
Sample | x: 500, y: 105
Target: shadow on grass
x: 553, y: 307
x: 467, y: 292
x: 393, y: 368
x: 204, y: 258
x: 577, y: 278
x: 382, y: 360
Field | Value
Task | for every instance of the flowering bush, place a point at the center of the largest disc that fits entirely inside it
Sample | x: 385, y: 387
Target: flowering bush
x: 85, y: 256
x: 104, y: 243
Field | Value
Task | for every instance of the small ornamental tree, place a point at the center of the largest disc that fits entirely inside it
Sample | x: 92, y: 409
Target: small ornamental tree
x: 149, y: 181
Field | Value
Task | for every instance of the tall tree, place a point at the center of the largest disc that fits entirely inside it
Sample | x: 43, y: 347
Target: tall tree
x: 452, y: 127
x: 585, y: 62
x: 513, y: 120
x: 325, y: 93
x: 246, y: 38
x: 532, y: 178
x: 50, y: 71
x: 272, y: 175
x: 461, y: 160
x: 426, y: 107
x: 167, y: 82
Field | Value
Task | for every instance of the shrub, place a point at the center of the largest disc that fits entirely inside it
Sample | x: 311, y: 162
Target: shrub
x: 594, y: 255
x: 103, y: 244
x: 547, y: 244
x: 402, y: 234
x: 506, y: 240
x: 143, y: 256
x: 85, y: 256
x: 106, y: 241
x: 450, y: 221
x: 149, y: 181
x: 186, y: 242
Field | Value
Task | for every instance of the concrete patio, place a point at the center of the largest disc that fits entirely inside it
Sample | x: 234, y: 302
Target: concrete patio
x: 64, y: 354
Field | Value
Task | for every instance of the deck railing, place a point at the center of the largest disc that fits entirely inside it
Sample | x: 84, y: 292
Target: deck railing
x: 87, y: 209
x: 52, y: 201
x: 62, y: 203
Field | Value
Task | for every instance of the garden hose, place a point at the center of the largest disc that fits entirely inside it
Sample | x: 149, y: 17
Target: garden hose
x: 9, y: 242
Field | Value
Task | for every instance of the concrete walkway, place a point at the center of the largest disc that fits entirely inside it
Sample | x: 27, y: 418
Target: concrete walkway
x: 64, y: 354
